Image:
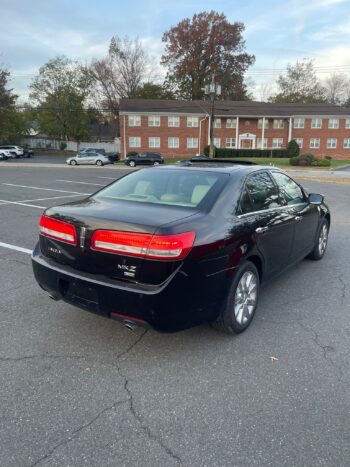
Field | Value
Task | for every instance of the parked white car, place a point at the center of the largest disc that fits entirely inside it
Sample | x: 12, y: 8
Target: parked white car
x: 4, y: 154
x: 15, y: 151
x: 89, y: 158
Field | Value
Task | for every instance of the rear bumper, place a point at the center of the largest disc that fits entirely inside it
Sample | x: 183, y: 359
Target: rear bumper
x: 169, y: 307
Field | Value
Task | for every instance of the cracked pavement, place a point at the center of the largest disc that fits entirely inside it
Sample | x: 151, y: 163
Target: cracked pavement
x: 79, y: 390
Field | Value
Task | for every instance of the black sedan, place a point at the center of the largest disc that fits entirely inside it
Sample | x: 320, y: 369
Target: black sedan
x: 173, y: 247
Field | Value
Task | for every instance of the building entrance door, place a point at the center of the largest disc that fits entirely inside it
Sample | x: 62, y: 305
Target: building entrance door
x: 246, y: 144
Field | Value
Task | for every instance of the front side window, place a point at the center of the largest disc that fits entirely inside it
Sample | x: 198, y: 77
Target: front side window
x: 192, y: 122
x: 316, y: 123
x: 331, y: 143
x: 154, y: 142
x: 315, y: 143
x: 154, y: 120
x: 192, y: 143
x: 134, y: 142
x: 173, y: 121
x: 260, y: 193
x: 333, y: 123
x: 134, y: 120
x: 299, y: 123
x: 278, y: 124
x: 291, y: 193
x: 231, y: 123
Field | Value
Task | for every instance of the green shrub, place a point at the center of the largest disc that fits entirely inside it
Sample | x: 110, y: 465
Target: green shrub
x: 132, y: 153
x: 328, y: 157
x: 293, y: 149
x: 63, y: 145
x: 303, y: 160
x: 234, y: 153
x: 321, y: 163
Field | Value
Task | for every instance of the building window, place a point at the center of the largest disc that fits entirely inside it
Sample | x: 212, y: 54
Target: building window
x: 230, y: 142
x: 154, y: 142
x: 277, y: 143
x: 259, y: 143
x: 316, y: 123
x: 346, y: 143
x: 347, y: 123
x: 314, y: 143
x: 299, y: 123
x: 173, y: 142
x: 134, y: 142
x: 217, y: 123
x: 192, y: 143
x: 278, y: 124
x: 231, y: 123
x: 217, y: 142
x: 299, y: 142
x: 260, y: 123
x: 333, y: 123
x: 134, y: 120
x: 154, y: 120
x: 173, y: 121
x: 192, y: 122
x: 331, y: 143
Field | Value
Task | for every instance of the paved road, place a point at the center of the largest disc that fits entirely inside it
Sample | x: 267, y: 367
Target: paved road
x: 80, y: 390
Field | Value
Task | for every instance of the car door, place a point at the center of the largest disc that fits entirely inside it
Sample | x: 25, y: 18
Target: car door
x: 82, y: 158
x: 270, y: 223
x: 306, y: 215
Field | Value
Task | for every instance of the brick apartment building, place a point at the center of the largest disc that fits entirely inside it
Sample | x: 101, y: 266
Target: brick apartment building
x: 181, y: 128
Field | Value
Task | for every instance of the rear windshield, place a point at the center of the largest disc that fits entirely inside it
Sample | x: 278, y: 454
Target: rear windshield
x: 173, y: 188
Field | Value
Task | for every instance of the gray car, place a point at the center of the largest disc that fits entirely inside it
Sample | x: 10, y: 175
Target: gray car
x: 89, y: 158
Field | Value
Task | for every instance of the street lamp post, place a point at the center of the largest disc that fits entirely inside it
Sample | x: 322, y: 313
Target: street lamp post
x: 213, y: 89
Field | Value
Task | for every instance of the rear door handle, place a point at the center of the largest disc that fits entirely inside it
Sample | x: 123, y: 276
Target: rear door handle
x: 298, y: 218
x: 261, y: 230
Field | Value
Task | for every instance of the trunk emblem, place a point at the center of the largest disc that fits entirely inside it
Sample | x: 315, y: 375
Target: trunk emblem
x: 129, y: 271
x: 82, y: 237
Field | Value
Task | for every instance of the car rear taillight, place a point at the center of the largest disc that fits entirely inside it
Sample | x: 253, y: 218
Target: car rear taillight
x: 161, y: 247
x: 59, y: 230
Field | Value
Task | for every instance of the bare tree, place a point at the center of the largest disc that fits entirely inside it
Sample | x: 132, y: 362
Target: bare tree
x: 337, y: 87
x: 121, y: 73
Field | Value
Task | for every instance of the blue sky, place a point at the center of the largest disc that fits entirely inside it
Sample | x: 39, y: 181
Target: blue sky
x: 277, y: 32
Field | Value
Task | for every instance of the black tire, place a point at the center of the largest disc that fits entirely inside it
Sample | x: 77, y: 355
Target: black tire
x: 318, y: 252
x: 73, y: 162
x: 99, y: 163
x: 227, y: 320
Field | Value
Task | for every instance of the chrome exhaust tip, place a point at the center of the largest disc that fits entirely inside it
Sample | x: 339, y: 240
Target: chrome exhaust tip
x: 130, y: 325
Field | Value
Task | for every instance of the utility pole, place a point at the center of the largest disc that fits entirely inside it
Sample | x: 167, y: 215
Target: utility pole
x: 212, y: 90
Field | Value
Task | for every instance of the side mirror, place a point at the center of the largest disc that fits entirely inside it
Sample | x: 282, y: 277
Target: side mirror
x: 315, y: 198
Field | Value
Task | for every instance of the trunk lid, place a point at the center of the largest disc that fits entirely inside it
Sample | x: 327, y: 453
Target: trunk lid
x: 93, y: 214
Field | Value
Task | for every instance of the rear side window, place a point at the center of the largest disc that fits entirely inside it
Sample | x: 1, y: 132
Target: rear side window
x: 260, y: 193
x: 169, y: 187
x: 291, y: 193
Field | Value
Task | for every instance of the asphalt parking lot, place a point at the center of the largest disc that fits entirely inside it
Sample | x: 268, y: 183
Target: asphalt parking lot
x: 78, y: 390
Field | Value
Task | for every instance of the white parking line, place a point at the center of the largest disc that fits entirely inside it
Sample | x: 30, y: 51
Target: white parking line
x: 44, y: 199
x: 46, y: 189
x: 4, y: 201
x: 81, y: 183
x: 17, y: 248
x: 109, y: 178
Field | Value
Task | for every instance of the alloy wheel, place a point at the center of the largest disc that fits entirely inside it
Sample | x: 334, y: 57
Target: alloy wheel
x: 322, y: 239
x: 245, y: 297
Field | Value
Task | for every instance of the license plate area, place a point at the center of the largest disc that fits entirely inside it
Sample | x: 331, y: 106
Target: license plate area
x: 80, y: 294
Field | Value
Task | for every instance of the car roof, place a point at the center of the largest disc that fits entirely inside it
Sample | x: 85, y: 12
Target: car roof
x: 229, y: 168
